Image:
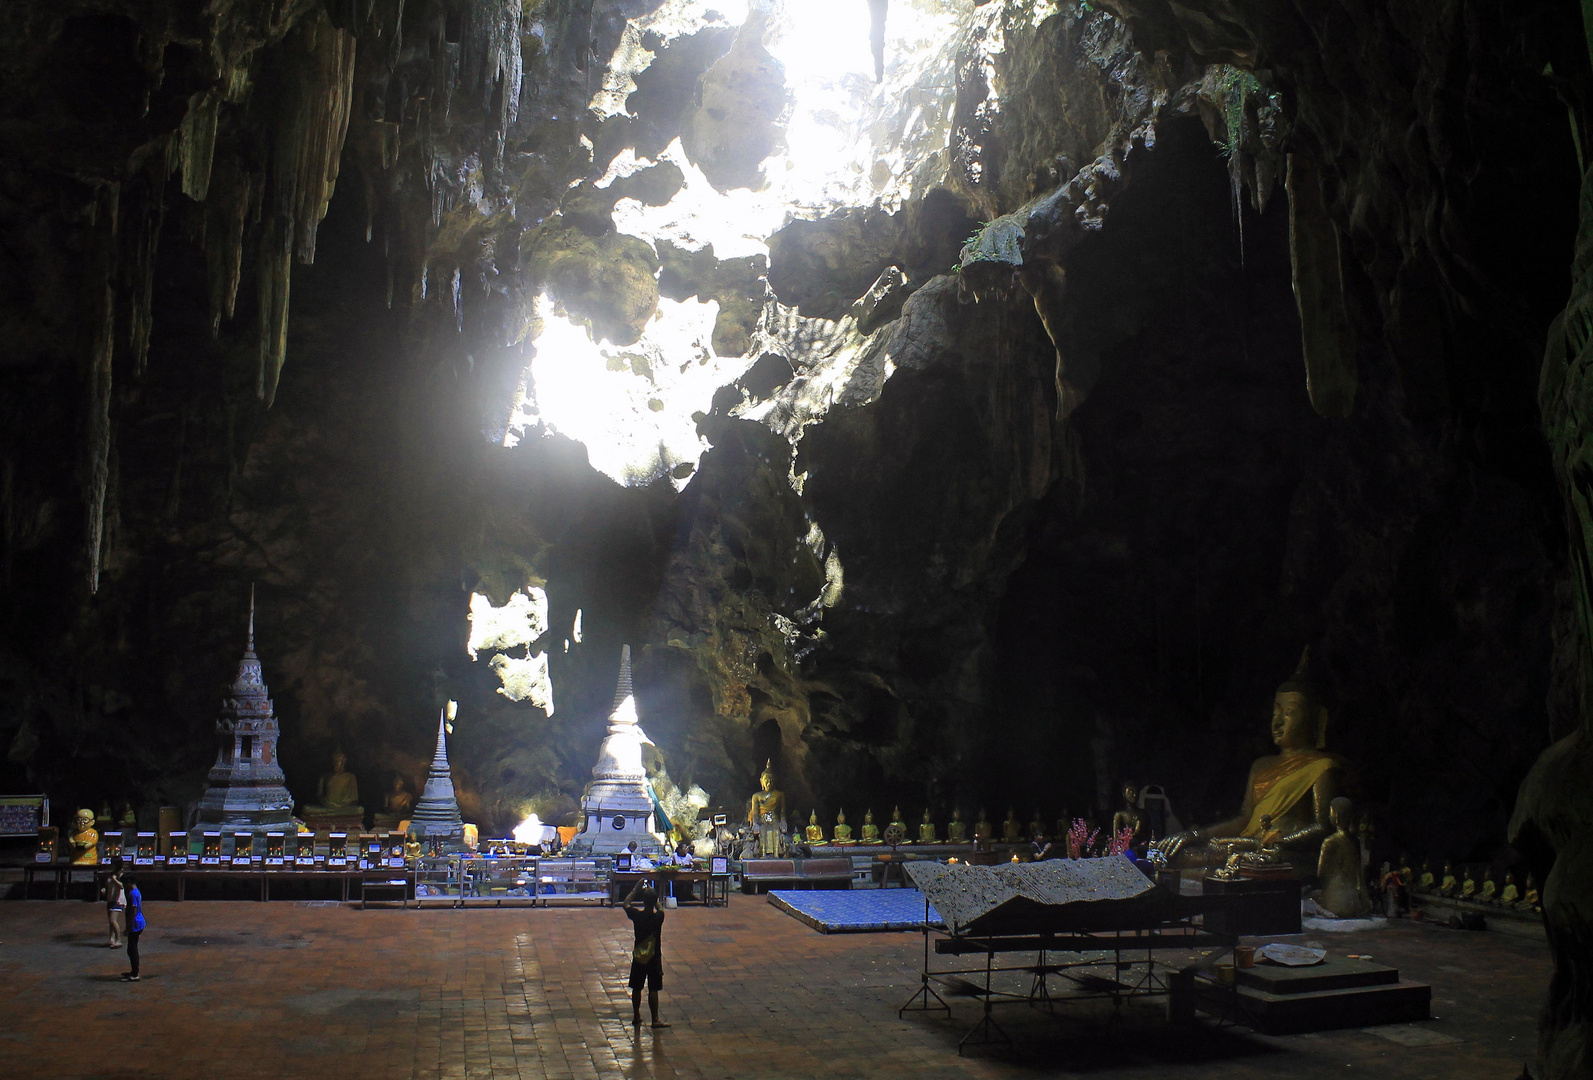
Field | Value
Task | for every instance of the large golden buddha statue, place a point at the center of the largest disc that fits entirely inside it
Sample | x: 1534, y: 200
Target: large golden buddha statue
x: 766, y: 812
x: 1292, y: 791
x: 337, y: 796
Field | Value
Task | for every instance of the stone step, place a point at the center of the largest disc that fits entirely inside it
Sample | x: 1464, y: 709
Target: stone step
x: 1335, y: 973
x: 1316, y: 1010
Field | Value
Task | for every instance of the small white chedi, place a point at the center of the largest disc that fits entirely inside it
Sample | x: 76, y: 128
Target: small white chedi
x: 618, y: 806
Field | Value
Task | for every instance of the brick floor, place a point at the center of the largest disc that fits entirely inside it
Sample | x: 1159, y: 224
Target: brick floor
x: 236, y: 989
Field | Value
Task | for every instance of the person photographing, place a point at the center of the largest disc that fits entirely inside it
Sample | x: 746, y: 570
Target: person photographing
x: 647, y: 960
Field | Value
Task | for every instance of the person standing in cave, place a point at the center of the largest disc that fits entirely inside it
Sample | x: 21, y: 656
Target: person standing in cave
x: 115, y: 904
x: 135, y: 925
x: 647, y: 958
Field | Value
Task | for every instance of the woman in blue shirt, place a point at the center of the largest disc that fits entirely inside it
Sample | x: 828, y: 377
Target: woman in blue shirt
x: 135, y: 925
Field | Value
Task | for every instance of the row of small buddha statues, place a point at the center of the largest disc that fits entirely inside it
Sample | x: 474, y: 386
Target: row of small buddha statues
x: 1466, y: 886
x: 897, y: 831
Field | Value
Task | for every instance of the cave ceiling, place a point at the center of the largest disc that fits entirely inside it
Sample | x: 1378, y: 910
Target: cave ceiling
x: 981, y: 428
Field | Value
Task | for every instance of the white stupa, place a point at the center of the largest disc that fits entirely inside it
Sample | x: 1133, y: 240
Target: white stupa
x: 618, y: 807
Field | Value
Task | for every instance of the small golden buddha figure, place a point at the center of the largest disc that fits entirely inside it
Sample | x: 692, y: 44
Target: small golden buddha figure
x: 1447, y: 885
x: 1343, y: 891
x: 411, y: 846
x: 957, y: 831
x: 1129, y: 815
x: 814, y: 833
x: 766, y: 812
x: 1468, y: 887
x: 129, y: 817
x: 843, y: 831
x: 870, y: 834
x: 1510, y: 895
x: 1425, y: 882
x: 898, y: 825
x: 1293, y: 788
x: 1011, y: 831
x: 84, y: 841
x: 1486, y: 892
x: 1530, y: 899
x: 982, y: 830
x: 338, y: 793
x: 926, y: 830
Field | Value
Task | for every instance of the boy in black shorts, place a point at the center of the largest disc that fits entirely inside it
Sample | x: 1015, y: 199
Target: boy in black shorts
x: 647, y: 960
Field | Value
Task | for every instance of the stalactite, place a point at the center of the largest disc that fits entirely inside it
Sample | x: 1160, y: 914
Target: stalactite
x: 99, y: 324
x: 226, y: 211
x: 142, y: 219
x: 276, y: 271
x: 491, y: 63
x: 196, y: 142
x: 318, y: 91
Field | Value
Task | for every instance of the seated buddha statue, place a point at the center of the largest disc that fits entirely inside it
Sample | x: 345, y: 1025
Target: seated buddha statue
x: 411, y: 846
x: 870, y: 834
x: 1294, y: 788
x: 766, y: 812
x: 83, y: 843
x: 1342, y: 891
x: 1510, y: 895
x: 957, y: 831
x: 1530, y: 899
x: 1036, y: 826
x: 1011, y: 831
x: 1130, y: 816
x: 814, y: 833
x: 1486, y: 892
x: 1425, y: 882
x: 1468, y: 887
x: 897, y: 827
x: 337, y: 798
x: 129, y: 817
x: 1447, y: 885
x: 843, y: 831
x: 982, y: 831
x: 926, y: 830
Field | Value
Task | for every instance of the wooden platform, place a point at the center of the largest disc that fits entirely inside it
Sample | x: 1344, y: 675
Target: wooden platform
x: 1336, y: 993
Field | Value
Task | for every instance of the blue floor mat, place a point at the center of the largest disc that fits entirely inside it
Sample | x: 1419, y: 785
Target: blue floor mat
x: 835, y: 911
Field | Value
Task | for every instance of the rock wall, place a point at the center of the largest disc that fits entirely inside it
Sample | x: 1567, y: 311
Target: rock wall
x: 953, y: 440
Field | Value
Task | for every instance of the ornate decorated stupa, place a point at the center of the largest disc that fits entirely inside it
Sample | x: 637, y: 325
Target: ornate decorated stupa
x: 246, y: 786
x: 437, y: 812
x: 618, y: 805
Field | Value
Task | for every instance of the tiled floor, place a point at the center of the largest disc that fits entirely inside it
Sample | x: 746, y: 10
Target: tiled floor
x: 237, y: 989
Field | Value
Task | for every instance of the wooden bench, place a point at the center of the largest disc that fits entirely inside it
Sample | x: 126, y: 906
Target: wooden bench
x: 832, y: 873
x: 768, y: 873
x: 382, y: 883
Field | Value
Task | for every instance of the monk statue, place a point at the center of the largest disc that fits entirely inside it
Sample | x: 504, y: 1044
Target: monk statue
x: 870, y: 830
x: 1011, y: 831
x: 814, y: 833
x: 1343, y: 890
x: 1130, y: 816
x: 843, y: 831
x: 1294, y: 788
x: 982, y: 830
x: 926, y: 830
x: 1425, y: 882
x: 957, y: 831
x: 1530, y: 899
x: 1485, y: 894
x: 337, y: 796
x: 1468, y: 887
x: 1511, y: 895
x: 1447, y: 885
x: 84, y: 841
x: 766, y: 812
